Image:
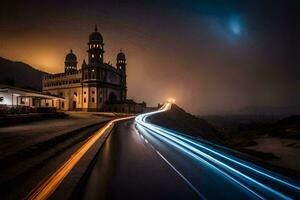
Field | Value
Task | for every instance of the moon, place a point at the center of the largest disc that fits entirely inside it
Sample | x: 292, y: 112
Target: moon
x: 235, y: 26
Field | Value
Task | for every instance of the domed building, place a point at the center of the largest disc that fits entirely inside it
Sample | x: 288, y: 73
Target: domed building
x: 70, y: 62
x: 95, y: 86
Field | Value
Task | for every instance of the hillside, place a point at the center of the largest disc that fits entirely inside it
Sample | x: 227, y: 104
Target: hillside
x: 179, y: 120
x: 20, y: 74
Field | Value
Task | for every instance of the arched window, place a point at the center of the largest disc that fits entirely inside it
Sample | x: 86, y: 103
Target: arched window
x: 93, y: 99
x: 84, y: 100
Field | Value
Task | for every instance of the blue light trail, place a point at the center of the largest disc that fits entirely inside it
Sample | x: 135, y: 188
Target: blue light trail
x: 258, y: 181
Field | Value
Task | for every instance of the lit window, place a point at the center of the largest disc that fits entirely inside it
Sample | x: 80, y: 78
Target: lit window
x: 94, y: 45
x: 93, y: 56
x: 22, y: 100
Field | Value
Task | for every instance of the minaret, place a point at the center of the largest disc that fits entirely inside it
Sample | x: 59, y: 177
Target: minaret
x: 121, y: 66
x: 70, y: 62
x: 84, y: 65
x: 95, y: 48
x: 121, y: 62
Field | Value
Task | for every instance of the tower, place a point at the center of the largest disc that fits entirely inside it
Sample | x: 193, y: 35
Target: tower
x: 70, y: 62
x: 93, y: 74
x: 95, y: 48
x: 121, y: 66
x: 91, y: 71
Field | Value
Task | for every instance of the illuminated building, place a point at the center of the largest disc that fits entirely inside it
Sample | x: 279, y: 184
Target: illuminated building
x: 94, y: 87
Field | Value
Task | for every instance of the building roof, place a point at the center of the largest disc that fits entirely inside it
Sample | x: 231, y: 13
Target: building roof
x: 121, y: 56
x: 26, y: 93
x: 110, y: 67
x: 96, y: 36
x: 71, y: 57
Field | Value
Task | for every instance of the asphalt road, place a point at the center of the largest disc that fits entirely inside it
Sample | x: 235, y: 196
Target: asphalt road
x: 128, y: 168
x: 140, y: 160
x: 136, y: 163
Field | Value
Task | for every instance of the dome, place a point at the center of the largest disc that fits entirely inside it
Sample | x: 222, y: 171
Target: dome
x: 121, y: 56
x: 71, y: 57
x: 96, y: 36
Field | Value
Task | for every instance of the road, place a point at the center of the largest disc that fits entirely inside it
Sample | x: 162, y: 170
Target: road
x: 140, y: 160
x: 21, y: 171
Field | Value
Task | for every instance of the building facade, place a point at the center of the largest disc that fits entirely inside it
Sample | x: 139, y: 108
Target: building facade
x: 92, y: 87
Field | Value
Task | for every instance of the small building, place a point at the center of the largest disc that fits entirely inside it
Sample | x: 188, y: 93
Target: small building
x: 11, y: 97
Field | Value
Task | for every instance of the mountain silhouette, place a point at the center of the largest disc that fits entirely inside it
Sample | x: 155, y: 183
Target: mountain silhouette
x: 20, y: 74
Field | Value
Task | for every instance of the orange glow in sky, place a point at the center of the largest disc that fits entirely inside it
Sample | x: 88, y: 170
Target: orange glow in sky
x: 172, y: 49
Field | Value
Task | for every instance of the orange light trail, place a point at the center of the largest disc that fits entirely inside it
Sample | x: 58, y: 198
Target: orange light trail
x: 47, y: 187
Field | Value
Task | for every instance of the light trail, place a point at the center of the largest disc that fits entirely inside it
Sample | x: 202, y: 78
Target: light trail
x: 49, y: 185
x: 203, y: 161
x: 230, y: 158
x: 208, y: 155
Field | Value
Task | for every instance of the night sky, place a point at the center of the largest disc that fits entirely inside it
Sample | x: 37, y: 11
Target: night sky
x: 211, y: 56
